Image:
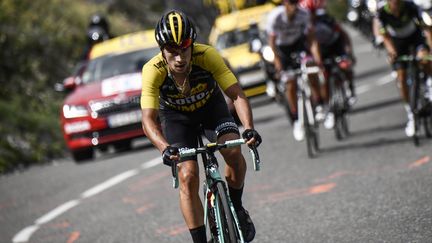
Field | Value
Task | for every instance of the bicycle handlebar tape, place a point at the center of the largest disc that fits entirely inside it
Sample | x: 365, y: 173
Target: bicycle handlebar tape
x: 236, y: 142
x: 187, y: 152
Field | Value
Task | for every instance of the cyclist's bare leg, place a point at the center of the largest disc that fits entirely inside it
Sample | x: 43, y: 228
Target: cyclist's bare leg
x: 325, y: 90
x: 315, y: 88
x: 291, y: 94
x: 235, y: 169
x: 190, y: 202
x: 403, y: 87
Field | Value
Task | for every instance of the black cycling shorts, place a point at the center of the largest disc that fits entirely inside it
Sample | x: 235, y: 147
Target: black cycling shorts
x: 181, y: 129
x: 285, y: 52
x: 337, y: 48
x: 404, y: 46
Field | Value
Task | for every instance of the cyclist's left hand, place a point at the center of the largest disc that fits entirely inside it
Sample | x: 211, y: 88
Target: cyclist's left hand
x: 252, y: 136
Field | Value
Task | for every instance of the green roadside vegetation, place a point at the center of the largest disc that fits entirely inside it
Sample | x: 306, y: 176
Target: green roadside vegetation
x: 40, y: 41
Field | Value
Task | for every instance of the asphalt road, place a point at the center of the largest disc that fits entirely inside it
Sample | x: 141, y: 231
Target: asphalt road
x: 375, y: 186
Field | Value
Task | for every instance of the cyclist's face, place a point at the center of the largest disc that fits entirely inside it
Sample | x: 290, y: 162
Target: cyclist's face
x: 394, y: 5
x: 178, y: 58
x: 290, y: 7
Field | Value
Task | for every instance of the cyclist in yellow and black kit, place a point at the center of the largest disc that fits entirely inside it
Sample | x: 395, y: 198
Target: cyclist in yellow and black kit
x: 182, y: 86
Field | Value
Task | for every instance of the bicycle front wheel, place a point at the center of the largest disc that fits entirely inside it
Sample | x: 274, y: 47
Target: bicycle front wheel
x: 415, y: 105
x: 309, y: 126
x: 225, y: 221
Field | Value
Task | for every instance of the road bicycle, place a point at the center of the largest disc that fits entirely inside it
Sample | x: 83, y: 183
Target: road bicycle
x: 420, y: 96
x: 219, y: 215
x: 305, y: 106
x: 338, y: 93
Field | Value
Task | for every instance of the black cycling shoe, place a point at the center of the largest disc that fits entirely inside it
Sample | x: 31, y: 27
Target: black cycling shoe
x: 246, y: 224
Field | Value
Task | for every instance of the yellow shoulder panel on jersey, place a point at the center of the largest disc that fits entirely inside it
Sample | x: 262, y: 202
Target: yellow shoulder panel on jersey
x: 153, y: 75
x: 208, y: 58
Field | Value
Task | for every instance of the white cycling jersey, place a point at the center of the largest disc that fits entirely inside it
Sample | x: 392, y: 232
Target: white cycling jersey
x: 287, y: 31
x: 424, y: 4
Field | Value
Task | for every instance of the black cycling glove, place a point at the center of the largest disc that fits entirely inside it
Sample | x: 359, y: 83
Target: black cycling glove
x: 251, y: 133
x: 166, y: 154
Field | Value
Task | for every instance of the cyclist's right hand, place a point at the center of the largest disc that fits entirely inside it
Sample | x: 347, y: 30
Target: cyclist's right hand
x: 170, y: 155
x: 392, y: 55
x: 278, y: 64
x: 249, y: 134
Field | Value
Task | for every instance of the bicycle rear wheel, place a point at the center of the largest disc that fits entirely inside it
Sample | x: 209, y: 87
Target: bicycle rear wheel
x: 227, y: 228
x: 338, y: 105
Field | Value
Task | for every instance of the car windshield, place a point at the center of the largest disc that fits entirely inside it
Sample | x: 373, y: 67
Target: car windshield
x: 232, y: 38
x: 112, y: 65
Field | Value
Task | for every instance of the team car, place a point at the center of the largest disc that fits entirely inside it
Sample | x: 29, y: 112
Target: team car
x: 231, y: 36
x: 102, y: 107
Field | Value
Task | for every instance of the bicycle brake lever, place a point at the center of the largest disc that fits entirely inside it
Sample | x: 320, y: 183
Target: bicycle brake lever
x: 255, y: 158
x: 174, y: 175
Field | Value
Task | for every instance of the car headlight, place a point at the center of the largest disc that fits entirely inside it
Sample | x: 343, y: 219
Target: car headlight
x: 372, y: 6
x: 74, y: 111
x: 352, y: 16
x: 427, y: 19
x: 268, y: 54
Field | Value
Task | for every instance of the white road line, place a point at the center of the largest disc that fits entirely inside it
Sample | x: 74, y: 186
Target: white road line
x: 151, y: 163
x: 56, y: 212
x: 25, y: 234
x: 382, y: 81
x: 109, y: 183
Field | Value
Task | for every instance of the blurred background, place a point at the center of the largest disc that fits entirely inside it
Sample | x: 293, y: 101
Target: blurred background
x: 41, y: 42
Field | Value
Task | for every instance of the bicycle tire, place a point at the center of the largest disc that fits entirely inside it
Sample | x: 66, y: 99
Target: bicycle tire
x: 308, y: 130
x: 229, y: 232
x: 211, y: 220
x: 427, y: 124
x: 336, y: 105
x: 414, y: 103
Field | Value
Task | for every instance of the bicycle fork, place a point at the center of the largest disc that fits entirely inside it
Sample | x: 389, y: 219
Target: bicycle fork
x: 213, y: 213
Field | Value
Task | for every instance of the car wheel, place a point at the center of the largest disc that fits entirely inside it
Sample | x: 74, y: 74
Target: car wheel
x: 123, y: 146
x: 83, y: 155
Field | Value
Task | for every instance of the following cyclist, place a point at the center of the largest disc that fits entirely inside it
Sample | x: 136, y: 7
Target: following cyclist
x: 334, y: 41
x: 97, y: 31
x: 290, y: 31
x: 182, y: 86
x: 400, y: 27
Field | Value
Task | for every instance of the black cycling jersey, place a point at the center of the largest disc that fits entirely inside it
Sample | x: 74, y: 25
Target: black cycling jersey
x: 403, y: 26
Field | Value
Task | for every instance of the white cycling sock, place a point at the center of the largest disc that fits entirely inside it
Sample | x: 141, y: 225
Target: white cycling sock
x: 408, y: 111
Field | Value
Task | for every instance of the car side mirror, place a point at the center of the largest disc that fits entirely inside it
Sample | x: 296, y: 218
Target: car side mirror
x: 69, y: 83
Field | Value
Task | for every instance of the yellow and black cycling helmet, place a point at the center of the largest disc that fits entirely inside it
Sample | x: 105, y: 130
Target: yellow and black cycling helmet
x: 175, y: 28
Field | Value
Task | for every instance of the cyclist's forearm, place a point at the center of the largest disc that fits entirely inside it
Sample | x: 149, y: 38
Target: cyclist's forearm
x: 244, y: 112
x: 153, y: 130
x: 241, y: 105
x: 428, y: 35
x: 388, y: 43
x: 316, y: 52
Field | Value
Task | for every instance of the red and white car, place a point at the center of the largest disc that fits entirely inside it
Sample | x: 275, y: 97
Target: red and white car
x: 103, y: 105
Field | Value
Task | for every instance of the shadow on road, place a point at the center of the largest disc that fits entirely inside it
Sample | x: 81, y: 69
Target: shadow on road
x: 372, y: 132
x: 372, y: 144
x: 371, y: 72
x: 377, y: 105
